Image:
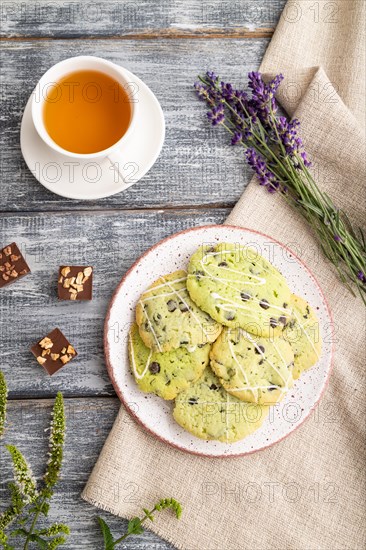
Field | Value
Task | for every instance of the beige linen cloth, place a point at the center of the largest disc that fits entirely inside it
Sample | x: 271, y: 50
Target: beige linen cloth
x: 306, y: 492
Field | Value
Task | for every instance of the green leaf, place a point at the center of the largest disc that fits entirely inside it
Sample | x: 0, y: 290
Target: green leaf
x: 41, y: 543
x: 107, y: 535
x: 56, y: 442
x: 3, y: 401
x: 44, y: 508
x: 134, y: 527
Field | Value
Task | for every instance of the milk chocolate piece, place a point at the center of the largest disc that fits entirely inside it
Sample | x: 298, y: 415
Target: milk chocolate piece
x: 75, y: 282
x: 53, y: 351
x: 12, y: 265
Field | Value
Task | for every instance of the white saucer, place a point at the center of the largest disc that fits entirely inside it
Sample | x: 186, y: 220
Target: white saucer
x: 97, y: 178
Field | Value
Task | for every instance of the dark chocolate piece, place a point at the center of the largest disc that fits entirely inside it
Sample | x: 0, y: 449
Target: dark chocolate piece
x: 75, y: 282
x: 53, y: 351
x: 12, y: 265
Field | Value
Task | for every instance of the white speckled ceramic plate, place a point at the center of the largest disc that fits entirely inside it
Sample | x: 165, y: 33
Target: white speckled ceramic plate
x: 155, y: 414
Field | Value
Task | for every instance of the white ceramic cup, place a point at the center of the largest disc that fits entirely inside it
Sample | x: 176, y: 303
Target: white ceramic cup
x: 54, y: 74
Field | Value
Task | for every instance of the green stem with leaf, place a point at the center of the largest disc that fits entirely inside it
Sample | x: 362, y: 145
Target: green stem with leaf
x: 134, y: 526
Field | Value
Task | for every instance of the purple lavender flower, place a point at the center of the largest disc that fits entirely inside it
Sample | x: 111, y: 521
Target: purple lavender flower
x: 361, y: 276
x: 263, y: 95
x: 337, y: 238
x: 216, y: 115
x: 212, y: 78
x: 265, y: 176
x: 227, y: 91
x: 238, y: 136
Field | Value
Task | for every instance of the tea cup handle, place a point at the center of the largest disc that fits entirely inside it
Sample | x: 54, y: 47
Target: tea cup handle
x: 127, y: 171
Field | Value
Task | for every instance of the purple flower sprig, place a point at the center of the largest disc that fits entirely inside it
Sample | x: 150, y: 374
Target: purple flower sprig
x: 274, y: 150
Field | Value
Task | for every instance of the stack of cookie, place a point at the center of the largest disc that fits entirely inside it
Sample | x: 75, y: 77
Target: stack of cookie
x: 226, y: 340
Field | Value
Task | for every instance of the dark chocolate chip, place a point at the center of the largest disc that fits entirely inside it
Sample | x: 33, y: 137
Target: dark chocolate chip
x: 245, y: 296
x: 259, y: 349
x: 213, y: 387
x: 147, y: 327
x: 183, y: 307
x: 264, y: 304
x: 273, y: 322
x: 283, y: 320
x: 184, y: 343
x: 210, y: 249
x: 222, y: 264
x: 284, y: 305
x: 171, y: 305
x: 199, y: 274
x: 272, y: 388
x: 154, y: 367
x: 261, y: 362
x: 193, y: 400
x: 230, y: 315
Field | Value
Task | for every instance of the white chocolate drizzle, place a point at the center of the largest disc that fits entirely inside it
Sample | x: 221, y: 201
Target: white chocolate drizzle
x: 134, y: 368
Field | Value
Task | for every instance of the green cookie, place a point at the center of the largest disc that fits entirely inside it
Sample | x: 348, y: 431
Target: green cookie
x: 303, y: 333
x: 168, y: 319
x: 207, y: 411
x: 238, y: 287
x: 165, y: 374
x: 257, y: 370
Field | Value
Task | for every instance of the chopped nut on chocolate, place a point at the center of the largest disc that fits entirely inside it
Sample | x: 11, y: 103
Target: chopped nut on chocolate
x: 75, y: 283
x: 62, y: 351
x: 46, y: 343
x: 12, y: 265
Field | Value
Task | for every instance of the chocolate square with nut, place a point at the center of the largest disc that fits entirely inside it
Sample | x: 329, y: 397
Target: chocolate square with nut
x: 12, y: 265
x: 75, y: 283
x: 53, y: 351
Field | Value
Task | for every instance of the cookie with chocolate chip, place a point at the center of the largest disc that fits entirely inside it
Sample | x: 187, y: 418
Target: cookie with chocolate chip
x: 168, y: 318
x: 258, y: 370
x: 303, y: 334
x: 207, y: 411
x: 168, y: 373
x: 237, y: 287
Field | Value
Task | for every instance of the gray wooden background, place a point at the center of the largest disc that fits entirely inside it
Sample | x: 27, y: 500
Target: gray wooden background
x: 196, y: 181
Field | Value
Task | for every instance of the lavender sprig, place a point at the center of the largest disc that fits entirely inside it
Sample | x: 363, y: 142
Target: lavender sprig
x: 274, y: 150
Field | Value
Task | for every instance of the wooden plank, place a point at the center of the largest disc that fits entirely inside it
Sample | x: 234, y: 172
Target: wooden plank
x: 146, y: 18
x: 88, y: 424
x: 196, y: 165
x: 29, y: 308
